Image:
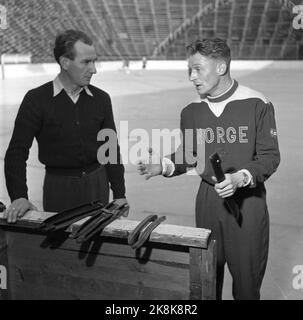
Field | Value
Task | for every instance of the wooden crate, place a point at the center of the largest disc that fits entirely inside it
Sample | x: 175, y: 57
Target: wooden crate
x: 177, y: 263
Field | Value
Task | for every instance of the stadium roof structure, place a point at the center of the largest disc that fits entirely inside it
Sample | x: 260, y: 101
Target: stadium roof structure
x: 159, y: 29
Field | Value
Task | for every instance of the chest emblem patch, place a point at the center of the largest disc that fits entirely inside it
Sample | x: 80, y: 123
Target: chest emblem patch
x: 273, y: 133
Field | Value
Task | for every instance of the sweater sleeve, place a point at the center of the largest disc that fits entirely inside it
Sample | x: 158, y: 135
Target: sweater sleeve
x: 267, y: 155
x: 114, y: 167
x: 191, y: 152
x: 27, y: 124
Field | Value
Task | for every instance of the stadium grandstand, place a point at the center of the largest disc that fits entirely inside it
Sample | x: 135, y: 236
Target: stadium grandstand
x: 157, y: 29
x: 266, y: 38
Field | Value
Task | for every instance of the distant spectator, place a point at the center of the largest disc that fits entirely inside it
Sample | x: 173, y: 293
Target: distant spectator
x: 125, y: 65
x: 144, y: 63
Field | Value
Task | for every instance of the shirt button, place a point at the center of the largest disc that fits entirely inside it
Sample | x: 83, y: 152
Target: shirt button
x: 83, y: 173
x: 77, y: 123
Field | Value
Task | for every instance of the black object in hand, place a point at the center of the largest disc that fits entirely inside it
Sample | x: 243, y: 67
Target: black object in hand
x: 220, y: 176
x: 2, y: 207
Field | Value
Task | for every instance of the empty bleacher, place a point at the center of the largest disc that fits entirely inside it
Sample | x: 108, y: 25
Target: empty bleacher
x: 255, y: 29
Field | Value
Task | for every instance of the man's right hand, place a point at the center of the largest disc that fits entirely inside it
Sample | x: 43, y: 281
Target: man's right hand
x: 150, y: 167
x: 17, y: 209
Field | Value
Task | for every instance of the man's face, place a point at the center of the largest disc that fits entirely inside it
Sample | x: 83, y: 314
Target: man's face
x: 82, y: 68
x: 203, y: 72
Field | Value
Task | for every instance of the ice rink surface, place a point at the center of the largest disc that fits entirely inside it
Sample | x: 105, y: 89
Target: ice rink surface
x: 153, y: 99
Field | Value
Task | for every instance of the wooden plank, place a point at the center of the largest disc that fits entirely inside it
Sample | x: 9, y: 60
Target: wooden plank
x: 28, y: 291
x: 119, y: 277
x: 203, y: 272
x: 90, y: 285
x: 164, y: 233
x: 171, y: 277
x: 208, y: 276
x: 100, y: 289
x: 24, y: 242
x: 90, y: 290
x: 172, y: 265
x: 127, y: 269
x: 195, y: 257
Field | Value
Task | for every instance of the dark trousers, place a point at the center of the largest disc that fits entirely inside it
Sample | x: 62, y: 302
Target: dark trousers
x: 245, y: 248
x: 63, y: 192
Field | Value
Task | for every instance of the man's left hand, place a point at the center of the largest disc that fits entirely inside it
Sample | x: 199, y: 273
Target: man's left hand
x: 17, y: 209
x: 120, y: 202
x: 228, y: 187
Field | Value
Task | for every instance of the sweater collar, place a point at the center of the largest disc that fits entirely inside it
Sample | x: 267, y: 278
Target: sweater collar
x: 58, y: 87
x: 226, y: 94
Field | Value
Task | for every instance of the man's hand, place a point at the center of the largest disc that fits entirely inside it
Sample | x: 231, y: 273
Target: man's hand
x: 17, y: 209
x: 228, y: 187
x: 150, y: 167
x: 120, y: 202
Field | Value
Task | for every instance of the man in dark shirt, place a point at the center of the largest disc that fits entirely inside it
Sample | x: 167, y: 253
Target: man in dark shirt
x: 239, y: 124
x: 65, y: 116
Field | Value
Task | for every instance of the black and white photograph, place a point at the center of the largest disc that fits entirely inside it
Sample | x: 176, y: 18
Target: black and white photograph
x: 151, y: 152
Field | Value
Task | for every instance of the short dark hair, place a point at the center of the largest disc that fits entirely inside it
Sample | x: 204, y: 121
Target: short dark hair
x: 213, y: 48
x: 64, y: 44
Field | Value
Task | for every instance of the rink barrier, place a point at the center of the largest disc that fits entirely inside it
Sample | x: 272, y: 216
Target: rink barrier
x: 7, y: 58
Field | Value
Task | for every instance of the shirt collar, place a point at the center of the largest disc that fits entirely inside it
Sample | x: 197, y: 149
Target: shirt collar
x: 58, y: 87
x: 226, y: 94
